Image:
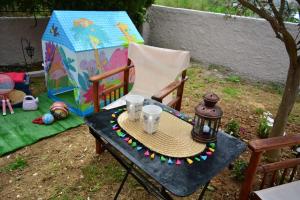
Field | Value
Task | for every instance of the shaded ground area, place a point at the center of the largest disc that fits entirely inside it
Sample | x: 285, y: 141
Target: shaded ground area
x: 66, y: 167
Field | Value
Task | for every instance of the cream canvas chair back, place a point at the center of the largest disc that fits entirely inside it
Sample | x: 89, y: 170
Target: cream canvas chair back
x: 155, y: 67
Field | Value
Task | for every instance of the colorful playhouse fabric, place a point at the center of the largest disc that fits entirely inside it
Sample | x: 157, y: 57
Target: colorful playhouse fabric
x: 80, y: 44
x: 135, y: 144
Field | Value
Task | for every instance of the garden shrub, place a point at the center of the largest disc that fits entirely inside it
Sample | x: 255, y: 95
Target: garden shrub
x: 265, y: 125
x: 233, y: 128
x: 239, y: 169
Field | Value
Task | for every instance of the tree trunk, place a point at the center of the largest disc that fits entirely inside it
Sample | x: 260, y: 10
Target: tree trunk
x: 287, y: 103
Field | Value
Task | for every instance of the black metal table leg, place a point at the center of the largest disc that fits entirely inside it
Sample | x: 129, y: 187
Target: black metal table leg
x: 165, y: 194
x: 122, y: 184
x: 203, y: 191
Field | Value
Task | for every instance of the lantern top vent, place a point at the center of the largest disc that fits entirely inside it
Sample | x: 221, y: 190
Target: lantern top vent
x: 210, y: 99
x: 208, y: 108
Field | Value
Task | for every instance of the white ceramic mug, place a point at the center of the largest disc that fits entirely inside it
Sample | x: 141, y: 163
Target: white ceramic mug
x: 134, y: 105
x: 151, y: 117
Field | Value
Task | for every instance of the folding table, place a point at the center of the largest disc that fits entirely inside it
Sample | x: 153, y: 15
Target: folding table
x: 160, y: 178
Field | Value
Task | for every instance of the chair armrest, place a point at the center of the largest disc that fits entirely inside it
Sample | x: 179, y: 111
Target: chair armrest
x: 260, y: 145
x: 109, y: 73
x: 270, y: 167
x: 168, y: 89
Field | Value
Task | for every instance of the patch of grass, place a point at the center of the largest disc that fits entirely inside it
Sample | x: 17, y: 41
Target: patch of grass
x: 210, y: 79
x: 219, y: 68
x: 232, y: 92
x: 115, y: 172
x: 276, y: 87
x: 295, y: 114
x: 97, y: 175
x: 18, y: 163
x: 233, y: 79
x: 66, y: 193
x: 259, y: 111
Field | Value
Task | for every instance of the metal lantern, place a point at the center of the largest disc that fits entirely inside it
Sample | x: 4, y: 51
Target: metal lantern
x: 207, y: 119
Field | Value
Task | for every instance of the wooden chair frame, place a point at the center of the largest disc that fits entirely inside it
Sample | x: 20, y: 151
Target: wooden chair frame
x: 112, y: 92
x: 260, y: 146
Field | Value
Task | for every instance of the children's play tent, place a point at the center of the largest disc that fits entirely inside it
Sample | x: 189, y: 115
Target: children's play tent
x: 80, y: 44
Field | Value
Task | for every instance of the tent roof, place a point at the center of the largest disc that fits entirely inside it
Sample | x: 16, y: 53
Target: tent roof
x: 87, y: 30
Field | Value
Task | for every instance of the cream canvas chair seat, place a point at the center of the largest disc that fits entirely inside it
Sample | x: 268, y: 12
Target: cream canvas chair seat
x: 156, y: 71
x: 155, y: 68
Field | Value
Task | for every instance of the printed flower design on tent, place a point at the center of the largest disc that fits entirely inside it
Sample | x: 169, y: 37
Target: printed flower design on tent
x: 49, y: 54
x: 89, y: 94
x: 57, y: 70
x: 89, y: 33
x: 118, y: 59
x: 89, y: 66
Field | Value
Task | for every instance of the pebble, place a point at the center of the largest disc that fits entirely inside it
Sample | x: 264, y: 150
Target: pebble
x: 139, y: 148
x: 35, y: 174
x: 18, y: 196
x: 170, y: 161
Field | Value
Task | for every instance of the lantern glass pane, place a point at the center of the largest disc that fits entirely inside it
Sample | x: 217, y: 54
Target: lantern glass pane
x: 197, y: 124
x: 206, y: 128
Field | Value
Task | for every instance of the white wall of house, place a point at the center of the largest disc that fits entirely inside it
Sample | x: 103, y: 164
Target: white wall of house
x: 12, y: 29
x: 246, y: 45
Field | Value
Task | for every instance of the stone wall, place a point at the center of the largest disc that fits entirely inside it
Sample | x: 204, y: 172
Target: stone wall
x: 12, y: 30
x: 246, y: 45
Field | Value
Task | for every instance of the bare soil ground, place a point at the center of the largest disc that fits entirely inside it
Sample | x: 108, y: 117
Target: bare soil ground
x: 66, y: 167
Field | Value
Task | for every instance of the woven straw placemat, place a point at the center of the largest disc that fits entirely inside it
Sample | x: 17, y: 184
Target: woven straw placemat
x: 172, y: 139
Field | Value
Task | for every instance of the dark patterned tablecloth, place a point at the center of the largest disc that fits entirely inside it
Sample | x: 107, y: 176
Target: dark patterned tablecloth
x: 181, y: 180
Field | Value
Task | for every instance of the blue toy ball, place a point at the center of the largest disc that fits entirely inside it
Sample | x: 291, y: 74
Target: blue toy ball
x: 48, y: 118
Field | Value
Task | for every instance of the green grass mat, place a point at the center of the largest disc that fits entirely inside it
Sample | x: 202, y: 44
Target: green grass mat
x: 17, y: 130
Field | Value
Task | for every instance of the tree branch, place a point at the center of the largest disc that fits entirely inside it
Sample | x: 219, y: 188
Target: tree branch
x: 277, y: 26
x: 281, y: 9
x: 276, y: 13
x: 263, y: 14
